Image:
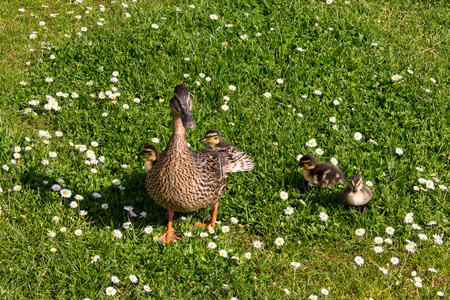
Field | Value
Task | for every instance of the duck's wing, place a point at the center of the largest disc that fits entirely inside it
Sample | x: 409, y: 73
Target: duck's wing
x: 208, y: 163
x: 235, y: 160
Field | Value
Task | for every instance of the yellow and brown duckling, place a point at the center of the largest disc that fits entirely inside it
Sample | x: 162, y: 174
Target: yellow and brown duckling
x: 184, y: 180
x: 213, y: 140
x: 322, y: 174
x: 356, y: 193
x: 151, y: 153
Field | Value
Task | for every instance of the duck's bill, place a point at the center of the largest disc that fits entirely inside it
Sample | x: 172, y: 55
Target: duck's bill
x: 188, y: 121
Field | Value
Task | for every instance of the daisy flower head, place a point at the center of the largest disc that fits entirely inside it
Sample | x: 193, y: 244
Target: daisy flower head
x: 289, y: 211
x: 388, y: 241
x: 147, y: 289
x: 133, y: 278
x: 286, y: 291
x: 148, y: 229
x: 55, y: 218
x: 396, y: 77
x: 110, y: 291
x: 187, y: 234
x: 378, y: 240
x: 357, y: 136
x: 422, y: 237
x: 428, y: 91
x: 319, y: 151
x: 204, y: 234
x: 225, y: 229
x: 117, y: 234
x: 323, y: 216
x: 78, y: 232
x: 155, y: 26
x: 399, y: 151
x: 65, y: 193
x: 56, y: 187
x: 279, y: 241
x: 311, y: 143
x: 324, y: 292
x: 369, y: 183
x: 223, y: 253
x: 295, y: 264
x: 257, y: 244
x: 212, y: 245
x: 95, y: 258
x: 378, y: 249
x: 329, y: 1
x: 409, y: 218
x: 410, y: 71
x: 280, y: 81
x: 395, y: 260
x: 440, y: 294
x: 51, y: 233
x: 410, y: 248
x: 267, y: 95
x: 299, y: 157
x: 333, y: 119
x: 155, y: 140
x: 243, y: 36
x: 360, y: 232
x: 53, y: 250
x: 313, y: 297
x: 225, y: 107
x: 334, y: 161
x: 284, y: 195
x: 213, y: 17
x: 384, y: 270
x: 430, y: 184
x: 232, y: 88
x: 234, y: 220
x: 390, y: 230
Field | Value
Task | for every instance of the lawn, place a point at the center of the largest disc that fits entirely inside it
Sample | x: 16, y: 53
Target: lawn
x: 86, y: 84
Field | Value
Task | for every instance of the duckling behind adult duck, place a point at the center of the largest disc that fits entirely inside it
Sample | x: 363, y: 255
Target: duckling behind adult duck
x: 213, y: 139
x: 183, y: 180
x: 356, y: 193
x: 151, y: 153
x: 322, y: 174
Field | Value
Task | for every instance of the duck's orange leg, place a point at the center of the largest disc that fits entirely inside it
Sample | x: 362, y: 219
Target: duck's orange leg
x: 213, y: 218
x: 169, y: 236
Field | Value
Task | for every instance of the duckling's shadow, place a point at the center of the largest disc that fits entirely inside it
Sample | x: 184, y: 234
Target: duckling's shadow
x: 321, y: 196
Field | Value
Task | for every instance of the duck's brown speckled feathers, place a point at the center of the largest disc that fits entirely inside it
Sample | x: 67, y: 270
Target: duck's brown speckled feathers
x: 356, y: 193
x: 322, y: 174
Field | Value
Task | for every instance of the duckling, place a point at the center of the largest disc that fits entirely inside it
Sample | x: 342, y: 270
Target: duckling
x: 322, y: 175
x: 183, y: 180
x: 356, y: 193
x: 151, y: 153
x: 212, y: 137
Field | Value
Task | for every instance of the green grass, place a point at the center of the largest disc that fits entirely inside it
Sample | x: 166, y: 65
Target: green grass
x: 341, y: 63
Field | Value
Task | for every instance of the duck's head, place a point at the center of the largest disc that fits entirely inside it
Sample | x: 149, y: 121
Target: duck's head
x: 356, y: 183
x: 150, y: 152
x: 307, y: 161
x: 181, y: 105
x: 212, y: 136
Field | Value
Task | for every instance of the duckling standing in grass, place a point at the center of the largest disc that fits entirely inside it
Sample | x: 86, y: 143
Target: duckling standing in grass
x: 322, y: 175
x: 356, y: 193
x: 151, y: 153
x: 212, y: 137
x: 184, y: 180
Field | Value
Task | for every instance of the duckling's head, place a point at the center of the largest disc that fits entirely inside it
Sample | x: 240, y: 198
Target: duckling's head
x: 212, y: 136
x: 356, y: 183
x: 307, y: 161
x: 150, y: 152
x: 181, y: 105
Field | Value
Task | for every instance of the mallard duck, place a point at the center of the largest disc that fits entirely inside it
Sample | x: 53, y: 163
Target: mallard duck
x: 183, y: 180
x: 322, y: 174
x: 213, y: 139
x: 151, y: 153
x: 356, y: 193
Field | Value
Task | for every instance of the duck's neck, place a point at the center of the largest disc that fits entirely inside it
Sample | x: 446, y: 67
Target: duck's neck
x: 178, y: 138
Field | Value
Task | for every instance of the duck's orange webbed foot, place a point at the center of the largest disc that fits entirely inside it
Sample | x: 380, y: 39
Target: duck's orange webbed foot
x: 213, y: 218
x: 168, y: 237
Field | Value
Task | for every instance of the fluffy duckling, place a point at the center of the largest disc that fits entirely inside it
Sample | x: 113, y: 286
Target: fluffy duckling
x: 151, y: 153
x: 356, y: 193
x: 322, y: 175
x: 213, y: 140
